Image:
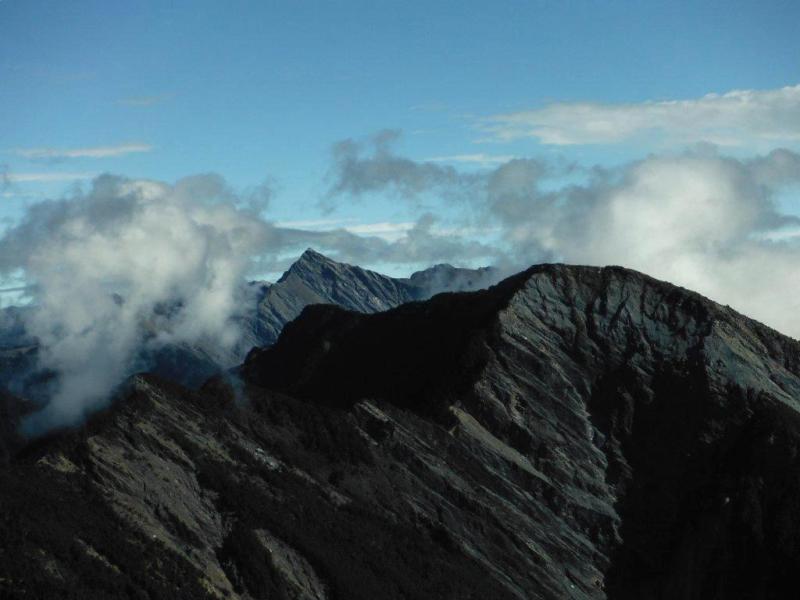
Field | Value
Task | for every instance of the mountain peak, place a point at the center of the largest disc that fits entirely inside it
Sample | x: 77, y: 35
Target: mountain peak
x: 311, y: 255
x: 309, y: 262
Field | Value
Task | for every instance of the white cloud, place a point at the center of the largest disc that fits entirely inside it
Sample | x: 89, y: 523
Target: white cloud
x: 735, y: 118
x: 385, y: 230
x: 707, y: 222
x: 479, y: 158
x: 88, y: 152
x: 314, y: 223
x: 144, y: 101
x: 131, y: 265
x: 43, y: 177
x: 102, y: 263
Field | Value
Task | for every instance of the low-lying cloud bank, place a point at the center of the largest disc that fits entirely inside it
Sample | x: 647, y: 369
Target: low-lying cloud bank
x: 700, y: 219
x: 134, y: 265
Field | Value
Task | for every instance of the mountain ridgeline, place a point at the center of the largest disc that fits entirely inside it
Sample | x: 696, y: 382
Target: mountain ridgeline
x: 316, y: 279
x: 312, y: 279
x: 571, y: 432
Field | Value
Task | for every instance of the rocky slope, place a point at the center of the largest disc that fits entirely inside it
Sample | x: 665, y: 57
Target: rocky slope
x: 569, y: 433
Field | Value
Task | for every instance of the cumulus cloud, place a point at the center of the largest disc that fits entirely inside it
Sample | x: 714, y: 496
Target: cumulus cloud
x: 699, y: 219
x: 361, y: 168
x: 734, y: 118
x: 480, y: 158
x: 9, y: 178
x: 87, y: 152
x: 132, y: 266
x: 105, y: 262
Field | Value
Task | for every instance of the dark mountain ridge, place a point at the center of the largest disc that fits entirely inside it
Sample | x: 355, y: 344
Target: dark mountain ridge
x: 316, y: 279
x: 312, y: 279
x: 665, y: 393
x: 572, y: 432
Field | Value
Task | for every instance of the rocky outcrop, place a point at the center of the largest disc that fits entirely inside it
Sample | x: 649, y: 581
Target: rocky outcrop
x: 569, y: 433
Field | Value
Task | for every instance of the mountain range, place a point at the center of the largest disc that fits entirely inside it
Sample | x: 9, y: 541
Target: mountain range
x: 570, y: 432
x: 312, y: 279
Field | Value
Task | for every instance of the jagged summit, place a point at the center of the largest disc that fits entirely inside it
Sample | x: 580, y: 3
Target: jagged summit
x: 309, y: 254
x: 309, y: 260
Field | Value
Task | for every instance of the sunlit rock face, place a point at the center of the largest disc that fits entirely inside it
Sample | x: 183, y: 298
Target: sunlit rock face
x: 571, y: 432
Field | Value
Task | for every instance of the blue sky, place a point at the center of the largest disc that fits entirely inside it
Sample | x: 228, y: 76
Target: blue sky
x: 260, y: 91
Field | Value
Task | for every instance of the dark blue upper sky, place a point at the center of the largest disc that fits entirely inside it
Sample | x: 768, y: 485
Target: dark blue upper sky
x: 250, y: 88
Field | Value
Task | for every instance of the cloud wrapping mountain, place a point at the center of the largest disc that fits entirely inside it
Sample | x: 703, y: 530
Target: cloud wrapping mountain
x: 697, y: 218
x: 126, y: 264
x: 132, y: 266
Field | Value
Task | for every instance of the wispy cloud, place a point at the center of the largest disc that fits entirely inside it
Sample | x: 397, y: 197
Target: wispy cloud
x: 386, y: 230
x: 144, y: 101
x: 389, y: 231
x: 48, y: 153
x: 479, y: 158
x: 735, y: 118
x: 314, y: 223
x: 43, y: 177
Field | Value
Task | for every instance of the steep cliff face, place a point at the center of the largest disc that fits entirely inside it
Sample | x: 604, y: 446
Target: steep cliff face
x: 570, y: 433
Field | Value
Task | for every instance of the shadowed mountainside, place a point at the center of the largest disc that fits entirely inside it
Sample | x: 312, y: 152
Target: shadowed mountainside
x: 572, y: 432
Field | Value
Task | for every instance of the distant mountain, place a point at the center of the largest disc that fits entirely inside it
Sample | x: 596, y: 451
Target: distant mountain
x: 316, y: 279
x: 571, y: 432
x: 312, y: 279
